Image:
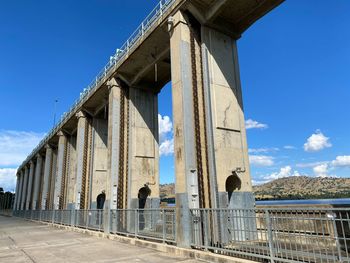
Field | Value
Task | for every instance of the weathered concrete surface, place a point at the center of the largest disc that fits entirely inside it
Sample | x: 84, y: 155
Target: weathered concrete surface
x: 24, y: 241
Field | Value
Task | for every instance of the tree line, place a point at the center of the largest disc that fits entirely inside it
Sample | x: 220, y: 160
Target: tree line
x: 6, y: 199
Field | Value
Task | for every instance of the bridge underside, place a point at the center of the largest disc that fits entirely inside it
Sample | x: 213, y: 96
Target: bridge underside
x: 112, y: 144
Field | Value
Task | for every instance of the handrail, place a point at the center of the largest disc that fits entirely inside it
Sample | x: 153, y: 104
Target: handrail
x: 114, y: 61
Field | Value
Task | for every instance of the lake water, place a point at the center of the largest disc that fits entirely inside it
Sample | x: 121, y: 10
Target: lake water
x: 340, y: 201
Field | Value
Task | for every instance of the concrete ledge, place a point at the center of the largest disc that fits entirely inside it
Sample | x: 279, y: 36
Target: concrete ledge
x: 161, y: 247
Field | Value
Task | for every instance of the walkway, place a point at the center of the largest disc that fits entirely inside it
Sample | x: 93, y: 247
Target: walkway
x: 24, y: 241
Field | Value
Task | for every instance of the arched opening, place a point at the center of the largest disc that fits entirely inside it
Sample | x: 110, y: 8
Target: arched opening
x: 144, y: 192
x: 233, y: 182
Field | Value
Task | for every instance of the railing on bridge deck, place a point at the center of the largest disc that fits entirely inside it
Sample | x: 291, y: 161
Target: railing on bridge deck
x: 147, y: 24
x: 151, y: 224
x: 271, y: 234
x: 281, y: 235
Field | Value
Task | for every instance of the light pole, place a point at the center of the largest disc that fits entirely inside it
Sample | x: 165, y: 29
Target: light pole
x: 54, y: 112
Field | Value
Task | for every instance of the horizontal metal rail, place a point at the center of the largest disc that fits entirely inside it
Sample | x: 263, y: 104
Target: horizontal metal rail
x: 151, y: 224
x: 114, y: 62
x: 276, y: 235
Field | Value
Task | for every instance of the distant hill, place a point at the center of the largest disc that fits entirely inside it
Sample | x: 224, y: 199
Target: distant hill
x: 296, y: 187
x: 303, y: 187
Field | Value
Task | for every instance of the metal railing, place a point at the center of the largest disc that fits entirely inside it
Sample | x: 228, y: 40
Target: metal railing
x: 283, y: 235
x: 115, y: 61
x: 151, y: 224
x: 6, y: 212
x: 271, y: 234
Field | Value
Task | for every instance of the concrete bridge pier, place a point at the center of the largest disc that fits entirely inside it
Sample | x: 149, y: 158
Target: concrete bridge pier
x: 211, y: 156
x: 60, y: 170
x: 29, y: 187
x: 47, y: 176
x: 37, y: 181
x: 83, y: 151
x: 19, y: 193
x: 114, y: 110
x: 99, y: 157
x: 25, y: 187
x: 71, y: 171
x: 142, y: 185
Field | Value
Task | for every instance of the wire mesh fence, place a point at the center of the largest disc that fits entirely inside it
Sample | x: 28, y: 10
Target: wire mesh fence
x: 154, y: 224
x: 275, y: 235
x: 284, y: 235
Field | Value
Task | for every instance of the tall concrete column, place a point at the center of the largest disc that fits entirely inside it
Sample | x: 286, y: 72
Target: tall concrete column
x: 184, y: 136
x: 25, y: 187
x: 60, y: 168
x: 37, y: 179
x: 47, y: 175
x: 18, y: 207
x: 99, y: 159
x: 81, y: 155
x: 227, y: 144
x: 225, y: 119
x: 72, y: 170
x: 30, y: 185
x: 113, y: 150
x: 144, y: 150
x: 16, y: 193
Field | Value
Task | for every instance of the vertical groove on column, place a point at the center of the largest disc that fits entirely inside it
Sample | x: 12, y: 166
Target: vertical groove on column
x: 63, y: 180
x: 120, y: 200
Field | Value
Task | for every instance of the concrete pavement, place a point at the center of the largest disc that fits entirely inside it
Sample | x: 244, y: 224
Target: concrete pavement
x: 24, y: 241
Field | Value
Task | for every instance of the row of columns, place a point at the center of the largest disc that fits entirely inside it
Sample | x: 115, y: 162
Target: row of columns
x: 28, y: 185
x: 210, y: 148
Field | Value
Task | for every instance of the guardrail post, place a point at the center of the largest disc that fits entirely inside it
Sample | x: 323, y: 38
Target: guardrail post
x: 205, y: 225
x: 161, y: 8
x: 136, y: 222
x: 72, y: 217
x: 53, y: 216
x: 164, y: 224
x: 269, y: 235
x: 87, y: 212
x: 107, y: 220
x: 333, y: 217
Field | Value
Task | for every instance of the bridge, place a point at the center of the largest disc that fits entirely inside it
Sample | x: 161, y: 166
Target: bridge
x: 108, y: 140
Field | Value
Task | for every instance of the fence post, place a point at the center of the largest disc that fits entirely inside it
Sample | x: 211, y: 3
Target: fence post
x: 333, y: 217
x: 205, y: 224
x: 136, y: 222
x: 164, y: 224
x: 72, y: 217
x: 269, y: 235
x: 53, y: 216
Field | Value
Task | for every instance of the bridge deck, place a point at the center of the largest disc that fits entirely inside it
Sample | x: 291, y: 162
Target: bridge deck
x: 23, y: 241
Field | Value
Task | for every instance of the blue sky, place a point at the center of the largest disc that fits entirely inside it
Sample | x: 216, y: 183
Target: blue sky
x: 294, y: 70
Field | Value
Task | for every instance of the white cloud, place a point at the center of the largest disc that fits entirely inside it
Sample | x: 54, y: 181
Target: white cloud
x: 317, y: 142
x: 8, y: 179
x: 286, y: 171
x: 263, y: 150
x: 166, y: 148
x: 259, y: 182
x: 251, y: 124
x: 165, y: 125
x: 343, y: 161
x: 289, y: 147
x: 308, y: 165
x: 16, y: 145
x: 261, y: 160
x: 166, y: 139
x: 321, y: 170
